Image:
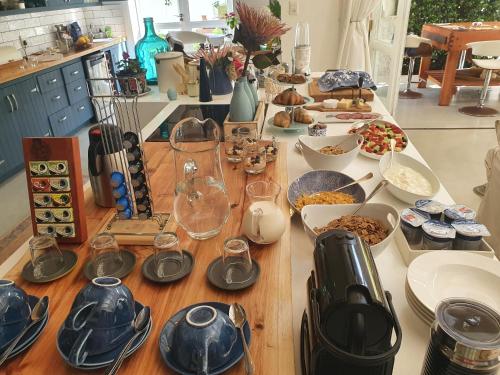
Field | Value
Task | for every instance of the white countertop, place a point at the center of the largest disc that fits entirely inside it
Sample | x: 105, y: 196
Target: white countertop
x: 153, y: 110
x: 391, y: 267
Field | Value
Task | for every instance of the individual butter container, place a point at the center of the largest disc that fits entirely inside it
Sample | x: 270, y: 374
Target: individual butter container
x: 411, y: 226
x: 437, y: 235
x: 458, y: 212
x: 433, y: 208
x: 469, y: 234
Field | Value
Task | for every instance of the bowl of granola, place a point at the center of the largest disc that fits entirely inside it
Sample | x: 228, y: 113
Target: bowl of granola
x: 375, y: 223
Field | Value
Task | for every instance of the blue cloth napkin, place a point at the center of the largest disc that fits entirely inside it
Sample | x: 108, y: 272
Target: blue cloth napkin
x: 343, y: 78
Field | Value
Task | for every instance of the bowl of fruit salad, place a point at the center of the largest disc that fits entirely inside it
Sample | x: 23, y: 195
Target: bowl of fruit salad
x: 377, y: 137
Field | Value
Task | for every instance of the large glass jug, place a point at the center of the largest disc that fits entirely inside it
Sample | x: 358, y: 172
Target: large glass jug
x: 201, y: 203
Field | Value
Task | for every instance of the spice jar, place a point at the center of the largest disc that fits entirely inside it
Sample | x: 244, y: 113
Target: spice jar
x: 465, y: 340
x: 469, y: 234
x: 437, y: 235
x: 411, y: 226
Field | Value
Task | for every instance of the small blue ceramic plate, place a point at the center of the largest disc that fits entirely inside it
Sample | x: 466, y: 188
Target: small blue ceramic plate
x: 104, y: 359
x: 316, y: 181
x: 167, y: 334
x: 33, y: 333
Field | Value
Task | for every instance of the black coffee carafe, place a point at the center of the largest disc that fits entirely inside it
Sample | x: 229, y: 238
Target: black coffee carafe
x: 349, y: 323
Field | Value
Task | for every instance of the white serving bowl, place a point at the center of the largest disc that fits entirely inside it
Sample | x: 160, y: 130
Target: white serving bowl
x: 351, y: 143
x: 414, y: 164
x: 319, y: 215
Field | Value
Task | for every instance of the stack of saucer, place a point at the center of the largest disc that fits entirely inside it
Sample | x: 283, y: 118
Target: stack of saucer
x: 15, y: 309
x: 99, y: 325
x: 438, y: 275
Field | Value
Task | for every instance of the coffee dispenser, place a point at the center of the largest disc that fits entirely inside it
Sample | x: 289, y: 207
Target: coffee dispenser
x: 350, y: 326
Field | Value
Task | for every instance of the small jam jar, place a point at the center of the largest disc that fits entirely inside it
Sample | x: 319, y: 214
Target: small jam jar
x: 437, y: 235
x: 469, y: 235
x: 411, y: 225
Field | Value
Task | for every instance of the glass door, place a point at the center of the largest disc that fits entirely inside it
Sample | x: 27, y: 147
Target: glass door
x: 387, y: 36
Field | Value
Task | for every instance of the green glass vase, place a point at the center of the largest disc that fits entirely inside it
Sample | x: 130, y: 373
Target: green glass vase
x: 146, y: 49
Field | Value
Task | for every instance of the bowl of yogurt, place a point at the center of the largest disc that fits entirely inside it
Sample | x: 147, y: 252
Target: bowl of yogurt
x: 409, y: 179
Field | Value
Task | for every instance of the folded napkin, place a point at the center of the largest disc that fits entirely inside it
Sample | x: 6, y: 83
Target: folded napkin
x: 342, y: 78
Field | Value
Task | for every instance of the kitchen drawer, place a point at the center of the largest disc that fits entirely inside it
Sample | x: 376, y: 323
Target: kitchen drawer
x: 55, y: 100
x: 82, y: 112
x: 77, y: 91
x: 62, y: 122
x: 50, y: 81
x: 73, y: 72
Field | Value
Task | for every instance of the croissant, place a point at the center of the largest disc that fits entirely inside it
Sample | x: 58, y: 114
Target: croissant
x: 303, y: 116
x: 289, y: 97
x: 282, y: 119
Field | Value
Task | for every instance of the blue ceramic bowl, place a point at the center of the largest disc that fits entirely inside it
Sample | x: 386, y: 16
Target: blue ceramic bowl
x: 14, y: 311
x: 100, y: 319
x: 316, y: 181
x: 204, y: 339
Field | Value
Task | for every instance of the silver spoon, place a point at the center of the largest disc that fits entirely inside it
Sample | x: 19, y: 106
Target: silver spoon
x: 238, y: 317
x: 379, y: 187
x: 38, y: 313
x: 140, y: 323
x: 368, y: 176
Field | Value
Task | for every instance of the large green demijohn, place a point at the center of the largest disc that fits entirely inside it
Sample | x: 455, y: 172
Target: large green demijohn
x: 146, y: 49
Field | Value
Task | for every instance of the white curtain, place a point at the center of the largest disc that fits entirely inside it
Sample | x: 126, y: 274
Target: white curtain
x: 354, y: 50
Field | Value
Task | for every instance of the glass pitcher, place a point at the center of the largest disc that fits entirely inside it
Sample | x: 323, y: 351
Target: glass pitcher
x: 201, y: 203
x: 263, y: 221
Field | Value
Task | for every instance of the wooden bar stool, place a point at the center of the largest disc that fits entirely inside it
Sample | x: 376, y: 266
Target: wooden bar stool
x: 415, y: 46
x: 491, y: 50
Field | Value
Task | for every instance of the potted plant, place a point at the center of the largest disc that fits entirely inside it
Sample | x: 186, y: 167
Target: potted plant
x: 220, y: 66
x: 131, y: 76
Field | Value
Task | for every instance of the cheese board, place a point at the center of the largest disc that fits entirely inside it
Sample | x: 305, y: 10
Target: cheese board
x: 319, y: 107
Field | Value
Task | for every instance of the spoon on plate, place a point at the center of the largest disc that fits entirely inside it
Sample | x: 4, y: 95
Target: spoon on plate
x: 366, y: 177
x: 239, y: 318
x: 379, y: 187
x: 37, y: 314
x: 140, y: 324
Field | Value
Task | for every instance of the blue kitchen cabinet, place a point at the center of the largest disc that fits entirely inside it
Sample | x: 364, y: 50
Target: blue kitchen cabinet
x: 31, y: 114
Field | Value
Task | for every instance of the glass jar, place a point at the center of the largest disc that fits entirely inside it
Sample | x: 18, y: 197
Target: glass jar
x: 263, y: 221
x: 255, y: 157
x: 201, y: 202
x: 146, y: 49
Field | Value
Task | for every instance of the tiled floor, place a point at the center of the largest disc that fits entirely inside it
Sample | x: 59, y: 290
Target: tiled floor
x: 453, y: 144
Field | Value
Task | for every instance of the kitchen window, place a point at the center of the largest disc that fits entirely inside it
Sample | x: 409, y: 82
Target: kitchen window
x: 204, y: 16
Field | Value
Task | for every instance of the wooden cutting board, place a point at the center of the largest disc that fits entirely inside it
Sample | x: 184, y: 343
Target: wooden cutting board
x: 268, y: 303
x: 319, y: 107
x: 347, y: 93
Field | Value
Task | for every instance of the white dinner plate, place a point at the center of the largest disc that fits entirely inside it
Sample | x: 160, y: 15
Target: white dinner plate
x: 417, y: 308
x: 435, y: 276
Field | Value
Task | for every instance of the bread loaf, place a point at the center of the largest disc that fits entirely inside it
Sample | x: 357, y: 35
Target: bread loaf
x: 282, y: 119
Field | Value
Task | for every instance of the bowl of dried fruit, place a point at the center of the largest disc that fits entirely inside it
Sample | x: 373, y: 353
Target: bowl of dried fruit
x: 332, y: 153
x: 375, y: 223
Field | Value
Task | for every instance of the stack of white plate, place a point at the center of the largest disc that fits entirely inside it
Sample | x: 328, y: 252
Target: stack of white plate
x: 437, y: 275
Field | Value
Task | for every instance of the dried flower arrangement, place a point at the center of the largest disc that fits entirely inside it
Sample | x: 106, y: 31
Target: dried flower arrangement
x: 256, y: 27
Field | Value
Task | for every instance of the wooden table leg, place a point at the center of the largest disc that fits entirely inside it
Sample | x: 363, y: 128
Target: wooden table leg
x: 425, y: 64
x: 450, y: 70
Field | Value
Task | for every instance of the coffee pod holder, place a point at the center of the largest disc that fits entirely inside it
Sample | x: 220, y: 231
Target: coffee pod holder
x: 135, y: 221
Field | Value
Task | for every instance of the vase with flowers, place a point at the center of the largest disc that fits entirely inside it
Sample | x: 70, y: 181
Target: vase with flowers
x: 253, y: 28
x: 219, y: 62
x: 131, y: 77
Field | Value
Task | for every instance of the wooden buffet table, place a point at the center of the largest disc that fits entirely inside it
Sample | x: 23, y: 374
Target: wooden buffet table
x: 268, y: 303
x: 453, y: 38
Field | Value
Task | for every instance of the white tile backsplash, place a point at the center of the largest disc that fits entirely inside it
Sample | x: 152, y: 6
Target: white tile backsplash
x: 38, y: 27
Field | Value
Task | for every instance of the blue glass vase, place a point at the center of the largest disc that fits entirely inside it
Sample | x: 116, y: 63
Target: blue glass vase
x: 146, y: 49
x: 220, y: 84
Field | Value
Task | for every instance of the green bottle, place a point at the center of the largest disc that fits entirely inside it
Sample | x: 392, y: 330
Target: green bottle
x: 146, y: 49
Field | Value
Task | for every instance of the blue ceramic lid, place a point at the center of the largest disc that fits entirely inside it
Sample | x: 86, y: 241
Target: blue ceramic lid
x: 438, y: 229
x: 470, y: 228
x: 460, y: 212
x: 430, y: 206
x: 414, y: 217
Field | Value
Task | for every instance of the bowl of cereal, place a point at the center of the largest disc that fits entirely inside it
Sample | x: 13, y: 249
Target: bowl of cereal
x: 317, y: 187
x: 332, y: 153
x: 375, y: 223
